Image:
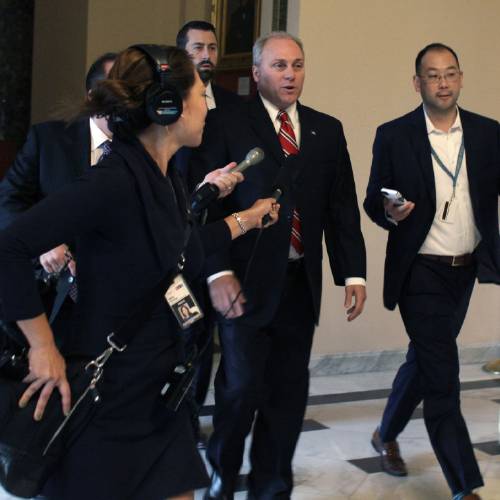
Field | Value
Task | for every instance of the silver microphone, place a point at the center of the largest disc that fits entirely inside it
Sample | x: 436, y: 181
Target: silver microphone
x: 254, y: 156
x: 209, y: 192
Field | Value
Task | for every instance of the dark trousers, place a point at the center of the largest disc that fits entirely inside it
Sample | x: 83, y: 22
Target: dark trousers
x: 200, y: 336
x: 204, y: 372
x: 433, y: 307
x: 263, y: 379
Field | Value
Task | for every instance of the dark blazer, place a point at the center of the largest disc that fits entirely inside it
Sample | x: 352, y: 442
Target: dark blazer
x: 129, y: 227
x: 54, y: 155
x: 225, y: 98
x: 402, y: 161
x: 125, y: 221
x: 191, y: 162
x: 318, y: 181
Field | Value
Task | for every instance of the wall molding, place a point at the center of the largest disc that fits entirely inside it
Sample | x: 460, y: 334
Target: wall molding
x: 376, y: 361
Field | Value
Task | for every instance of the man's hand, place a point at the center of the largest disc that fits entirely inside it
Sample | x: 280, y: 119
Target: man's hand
x: 358, y: 292
x: 223, y: 291
x: 398, y: 212
x: 54, y: 260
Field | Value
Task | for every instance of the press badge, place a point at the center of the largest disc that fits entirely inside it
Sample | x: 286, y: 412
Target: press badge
x: 183, y: 303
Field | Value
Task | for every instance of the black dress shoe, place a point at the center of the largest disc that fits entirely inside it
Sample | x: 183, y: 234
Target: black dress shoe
x: 218, y: 490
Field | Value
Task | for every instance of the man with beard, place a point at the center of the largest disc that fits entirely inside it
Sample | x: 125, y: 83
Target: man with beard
x: 446, y: 162
x: 199, y: 40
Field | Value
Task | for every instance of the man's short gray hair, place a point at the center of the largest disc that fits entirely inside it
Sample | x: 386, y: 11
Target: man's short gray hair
x: 258, y: 46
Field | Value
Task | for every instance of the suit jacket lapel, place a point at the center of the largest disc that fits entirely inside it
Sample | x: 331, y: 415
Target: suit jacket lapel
x: 307, y: 137
x: 472, y: 153
x: 264, y: 129
x: 421, y: 145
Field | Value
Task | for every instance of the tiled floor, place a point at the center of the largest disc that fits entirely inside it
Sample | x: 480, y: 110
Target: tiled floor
x: 334, y: 458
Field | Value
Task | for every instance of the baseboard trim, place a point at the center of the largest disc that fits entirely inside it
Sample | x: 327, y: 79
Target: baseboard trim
x: 376, y: 361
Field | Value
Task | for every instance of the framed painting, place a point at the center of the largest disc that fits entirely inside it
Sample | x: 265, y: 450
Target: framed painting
x: 238, y: 26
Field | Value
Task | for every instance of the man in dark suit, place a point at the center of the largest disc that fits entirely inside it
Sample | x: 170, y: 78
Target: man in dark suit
x: 199, y: 39
x: 268, y: 287
x: 55, y: 154
x: 446, y: 162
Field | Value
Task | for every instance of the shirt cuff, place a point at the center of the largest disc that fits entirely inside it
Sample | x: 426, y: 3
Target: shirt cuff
x: 355, y: 281
x: 213, y: 277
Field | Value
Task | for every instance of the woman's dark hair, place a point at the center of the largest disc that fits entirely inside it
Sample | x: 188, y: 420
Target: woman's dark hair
x: 121, y: 97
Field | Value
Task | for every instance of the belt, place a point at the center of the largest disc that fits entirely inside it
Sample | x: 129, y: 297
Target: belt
x: 452, y: 260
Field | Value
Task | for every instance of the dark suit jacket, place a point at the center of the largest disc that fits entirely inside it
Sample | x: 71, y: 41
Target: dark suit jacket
x: 402, y: 161
x: 225, y: 98
x: 318, y: 181
x: 190, y: 162
x: 129, y: 231
x: 54, y: 155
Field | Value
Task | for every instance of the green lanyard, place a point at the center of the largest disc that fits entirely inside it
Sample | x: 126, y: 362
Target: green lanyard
x: 445, y: 169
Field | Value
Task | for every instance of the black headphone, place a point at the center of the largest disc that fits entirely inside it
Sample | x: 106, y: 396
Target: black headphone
x: 163, y: 102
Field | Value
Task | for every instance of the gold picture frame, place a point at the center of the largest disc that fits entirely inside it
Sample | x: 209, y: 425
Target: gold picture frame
x: 238, y: 25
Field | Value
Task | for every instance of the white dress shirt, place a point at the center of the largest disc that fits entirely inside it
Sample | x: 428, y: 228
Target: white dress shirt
x: 209, y: 97
x: 97, y: 137
x: 292, y: 114
x: 459, y: 234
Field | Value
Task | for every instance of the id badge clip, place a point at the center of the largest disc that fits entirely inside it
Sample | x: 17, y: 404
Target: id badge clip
x: 447, y: 212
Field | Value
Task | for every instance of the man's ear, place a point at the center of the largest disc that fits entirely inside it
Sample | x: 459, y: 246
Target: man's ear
x: 255, y: 73
x: 416, y: 83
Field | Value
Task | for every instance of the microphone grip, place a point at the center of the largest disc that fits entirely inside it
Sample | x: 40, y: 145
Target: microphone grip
x: 276, y: 195
x: 203, y: 196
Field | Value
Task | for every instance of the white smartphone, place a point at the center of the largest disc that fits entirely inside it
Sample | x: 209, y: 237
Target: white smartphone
x: 392, y: 195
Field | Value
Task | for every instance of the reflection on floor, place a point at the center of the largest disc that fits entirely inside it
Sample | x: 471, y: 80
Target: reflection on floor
x: 334, y: 458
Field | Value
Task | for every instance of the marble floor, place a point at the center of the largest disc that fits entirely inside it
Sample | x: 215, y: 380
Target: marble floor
x: 334, y: 458
x: 335, y: 461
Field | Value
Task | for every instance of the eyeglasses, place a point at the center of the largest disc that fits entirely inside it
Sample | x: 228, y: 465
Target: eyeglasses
x: 451, y: 76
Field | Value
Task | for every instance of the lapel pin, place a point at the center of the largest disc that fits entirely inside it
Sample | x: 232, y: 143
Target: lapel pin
x: 313, y: 132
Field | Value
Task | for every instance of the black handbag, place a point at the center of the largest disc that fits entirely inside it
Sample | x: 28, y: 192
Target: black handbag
x: 29, y: 449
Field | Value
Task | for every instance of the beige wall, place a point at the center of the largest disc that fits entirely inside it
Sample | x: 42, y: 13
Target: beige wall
x: 359, y: 65
x: 69, y: 35
x: 59, y: 58
x: 359, y: 59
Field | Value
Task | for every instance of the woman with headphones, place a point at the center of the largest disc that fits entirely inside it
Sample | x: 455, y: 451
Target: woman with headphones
x: 129, y: 221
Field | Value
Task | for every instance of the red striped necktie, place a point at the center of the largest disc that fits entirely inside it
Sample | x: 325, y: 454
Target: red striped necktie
x: 289, y: 145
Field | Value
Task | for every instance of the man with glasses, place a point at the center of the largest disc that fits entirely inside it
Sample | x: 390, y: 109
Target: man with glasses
x: 445, y: 162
